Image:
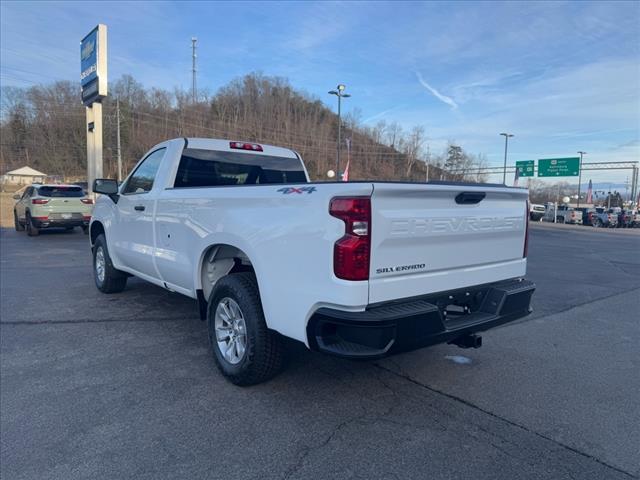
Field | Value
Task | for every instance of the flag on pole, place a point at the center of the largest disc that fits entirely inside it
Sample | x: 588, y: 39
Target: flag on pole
x: 516, y: 177
x: 590, y: 193
x: 345, y: 175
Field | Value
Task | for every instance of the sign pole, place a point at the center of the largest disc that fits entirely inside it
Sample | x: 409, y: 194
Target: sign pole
x: 97, y: 140
x: 93, y: 80
x: 90, y: 149
x: 580, y: 176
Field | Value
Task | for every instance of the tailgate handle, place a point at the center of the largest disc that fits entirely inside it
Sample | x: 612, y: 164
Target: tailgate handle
x: 470, y: 198
x: 139, y: 208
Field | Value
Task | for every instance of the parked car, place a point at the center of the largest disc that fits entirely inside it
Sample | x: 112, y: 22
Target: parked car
x: 588, y: 214
x: 536, y: 212
x: 353, y: 269
x: 628, y: 219
x: 563, y: 214
x: 51, y: 206
x: 605, y: 218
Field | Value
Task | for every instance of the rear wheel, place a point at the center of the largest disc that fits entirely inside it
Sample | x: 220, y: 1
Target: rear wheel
x: 16, y: 222
x: 245, y: 350
x: 108, y: 279
x: 32, y: 230
x: 560, y: 219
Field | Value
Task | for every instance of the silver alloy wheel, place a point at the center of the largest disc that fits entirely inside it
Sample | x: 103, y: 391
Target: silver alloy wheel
x: 231, y: 330
x: 100, y: 264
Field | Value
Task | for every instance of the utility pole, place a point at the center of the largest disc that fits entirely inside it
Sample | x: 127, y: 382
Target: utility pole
x: 194, y: 89
x: 506, y: 142
x: 118, y: 150
x: 338, y: 93
x: 580, y: 175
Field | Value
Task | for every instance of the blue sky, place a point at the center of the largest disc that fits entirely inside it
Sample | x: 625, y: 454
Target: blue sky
x: 561, y: 76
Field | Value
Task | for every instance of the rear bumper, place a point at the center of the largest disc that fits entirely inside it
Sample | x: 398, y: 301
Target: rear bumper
x: 401, y: 326
x: 61, y: 223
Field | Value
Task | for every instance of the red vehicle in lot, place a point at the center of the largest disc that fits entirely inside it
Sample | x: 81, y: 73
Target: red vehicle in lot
x: 628, y: 219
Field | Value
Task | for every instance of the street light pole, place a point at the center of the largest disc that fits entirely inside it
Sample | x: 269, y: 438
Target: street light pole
x: 580, y: 175
x: 506, y: 142
x: 339, y: 93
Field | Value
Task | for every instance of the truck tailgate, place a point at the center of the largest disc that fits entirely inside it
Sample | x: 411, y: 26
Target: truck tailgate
x: 432, y: 238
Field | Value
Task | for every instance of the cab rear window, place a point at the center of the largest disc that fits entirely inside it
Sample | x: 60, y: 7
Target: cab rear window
x: 56, y: 192
x: 210, y: 168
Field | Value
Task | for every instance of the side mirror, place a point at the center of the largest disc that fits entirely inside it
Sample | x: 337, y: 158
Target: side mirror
x: 105, y: 186
x: 16, y: 197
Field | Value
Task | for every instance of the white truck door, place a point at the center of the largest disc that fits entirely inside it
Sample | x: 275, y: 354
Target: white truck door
x: 133, y: 230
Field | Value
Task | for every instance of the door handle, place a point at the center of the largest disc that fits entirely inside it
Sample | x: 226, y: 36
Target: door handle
x: 470, y: 198
x: 139, y: 208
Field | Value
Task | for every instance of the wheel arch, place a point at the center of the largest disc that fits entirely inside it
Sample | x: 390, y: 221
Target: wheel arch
x: 95, y: 230
x: 217, y: 261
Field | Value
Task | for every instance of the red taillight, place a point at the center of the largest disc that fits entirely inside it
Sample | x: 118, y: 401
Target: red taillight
x: 351, y: 254
x: 246, y: 146
x: 39, y: 201
x: 88, y: 201
x: 526, y: 233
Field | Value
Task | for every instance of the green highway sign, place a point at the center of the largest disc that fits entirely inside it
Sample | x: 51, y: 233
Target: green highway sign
x: 525, y: 168
x: 559, y: 167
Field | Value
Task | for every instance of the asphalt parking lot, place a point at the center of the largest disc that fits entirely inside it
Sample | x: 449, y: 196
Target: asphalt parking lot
x: 123, y: 386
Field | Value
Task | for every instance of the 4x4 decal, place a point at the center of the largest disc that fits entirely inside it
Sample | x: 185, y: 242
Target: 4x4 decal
x: 288, y: 190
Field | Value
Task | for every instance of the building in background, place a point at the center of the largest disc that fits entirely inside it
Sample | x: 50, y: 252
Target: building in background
x: 22, y: 176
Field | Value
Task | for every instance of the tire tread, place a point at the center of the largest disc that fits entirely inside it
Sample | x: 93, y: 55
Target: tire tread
x: 115, y: 281
x: 266, y: 355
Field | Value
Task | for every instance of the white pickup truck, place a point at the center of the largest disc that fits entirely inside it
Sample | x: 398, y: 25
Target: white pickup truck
x: 357, y: 269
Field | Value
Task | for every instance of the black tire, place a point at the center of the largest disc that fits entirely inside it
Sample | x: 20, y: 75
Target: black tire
x: 16, y: 222
x: 85, y: 230
x: 32, y: 230
x: 559, y: 219
x: 263, y: 353
x: 68, y: 229
x: 112, y: 281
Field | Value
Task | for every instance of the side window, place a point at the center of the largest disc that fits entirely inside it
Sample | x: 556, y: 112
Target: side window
x: 141, y: 181
x: 27, y: 193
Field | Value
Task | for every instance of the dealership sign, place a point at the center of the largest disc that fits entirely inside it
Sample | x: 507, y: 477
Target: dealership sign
x: 93, y: 65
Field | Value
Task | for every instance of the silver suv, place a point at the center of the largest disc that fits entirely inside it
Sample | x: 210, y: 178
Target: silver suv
x: 49, y: 206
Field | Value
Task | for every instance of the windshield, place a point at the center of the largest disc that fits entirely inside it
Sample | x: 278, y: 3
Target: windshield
x: 61, y: 191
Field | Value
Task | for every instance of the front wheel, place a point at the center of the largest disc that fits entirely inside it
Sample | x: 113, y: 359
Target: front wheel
x: 16, y: 222
x: 245, y: 350
x: 32, y: 230
x: 108, y: 279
